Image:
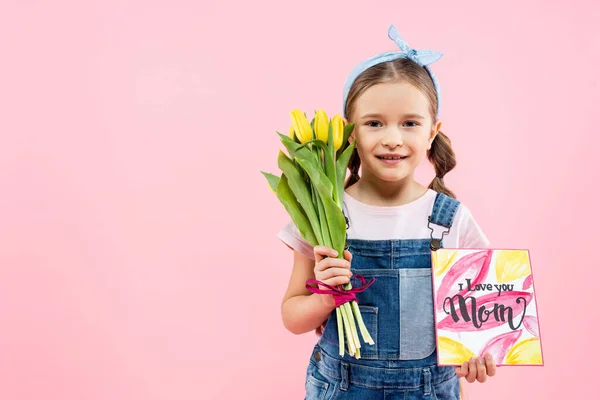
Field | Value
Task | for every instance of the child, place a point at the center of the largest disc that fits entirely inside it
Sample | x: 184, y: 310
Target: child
x: 393, y: 224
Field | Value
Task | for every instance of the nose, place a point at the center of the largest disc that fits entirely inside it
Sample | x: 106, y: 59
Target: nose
x: 392, y: 138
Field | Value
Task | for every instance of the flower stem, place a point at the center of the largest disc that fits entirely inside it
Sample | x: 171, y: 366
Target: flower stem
x: 348, y: 329
x: 340, y: 325
x: 361, y: 325
x: 352, y: 323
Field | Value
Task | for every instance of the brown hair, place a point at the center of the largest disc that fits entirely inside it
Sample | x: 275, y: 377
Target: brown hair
x: 441, y: 154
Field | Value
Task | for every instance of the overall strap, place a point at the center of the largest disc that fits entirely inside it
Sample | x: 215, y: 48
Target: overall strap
x: 443, y: 212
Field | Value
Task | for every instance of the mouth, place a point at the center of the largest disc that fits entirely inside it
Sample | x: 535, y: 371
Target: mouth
x: 392, y: 158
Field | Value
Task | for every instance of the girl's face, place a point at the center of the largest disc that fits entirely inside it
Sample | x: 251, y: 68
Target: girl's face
x: 392, y: 119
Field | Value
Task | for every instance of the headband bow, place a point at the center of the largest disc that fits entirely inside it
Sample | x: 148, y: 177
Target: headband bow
x: 421, y: 57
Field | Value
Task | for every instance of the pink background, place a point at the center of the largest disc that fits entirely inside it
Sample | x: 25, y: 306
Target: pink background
x: 138, y: 257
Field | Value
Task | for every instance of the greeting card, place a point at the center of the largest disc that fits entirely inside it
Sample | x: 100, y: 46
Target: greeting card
x: 484, y: 301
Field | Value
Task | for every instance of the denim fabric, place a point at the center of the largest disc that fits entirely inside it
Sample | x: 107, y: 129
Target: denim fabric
x: 398, y: 312
x: 330, y: 378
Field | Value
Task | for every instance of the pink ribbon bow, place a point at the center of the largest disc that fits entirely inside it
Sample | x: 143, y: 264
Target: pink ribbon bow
x: 340, y: 294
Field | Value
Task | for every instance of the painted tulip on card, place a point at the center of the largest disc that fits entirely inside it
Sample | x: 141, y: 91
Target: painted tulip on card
x: 473, y: 267
x: 311, y: 188
x: 453, y: 352
x: 531, y: 324
x: 511, y: 265
x: 498, y: 346
x: 527, y: 352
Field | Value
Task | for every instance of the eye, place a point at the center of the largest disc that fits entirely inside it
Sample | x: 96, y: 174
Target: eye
x: 373, y: 123
x: 411, y: 124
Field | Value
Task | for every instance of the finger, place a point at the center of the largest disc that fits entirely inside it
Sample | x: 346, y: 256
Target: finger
x: 321, y: 252
x: 490, y: 364
x: 336, y: 281
x: 472, y: 374
x: 462, y: 370
x: 347, y: 255
x: 333, y: 272
x: 332, y: 263
x: 481, y: 375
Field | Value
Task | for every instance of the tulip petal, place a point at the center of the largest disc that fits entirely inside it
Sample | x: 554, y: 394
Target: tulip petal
x: 511, y: 265
x: 474, y: 266
x: 452, y: 352
x: 497, y: 317
x: 337, y: 128
x: 531, y: 324
x: 443, y: 259
x: 321, y: 125
x: 528, y: 282
x: 499, y: 345
x: 526, y: 352
x: 301, y: 126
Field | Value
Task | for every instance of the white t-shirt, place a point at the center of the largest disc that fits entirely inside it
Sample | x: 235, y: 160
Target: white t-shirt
x: 407, y: 221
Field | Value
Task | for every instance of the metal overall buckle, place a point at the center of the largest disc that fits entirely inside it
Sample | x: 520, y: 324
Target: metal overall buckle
x: 436, y: 243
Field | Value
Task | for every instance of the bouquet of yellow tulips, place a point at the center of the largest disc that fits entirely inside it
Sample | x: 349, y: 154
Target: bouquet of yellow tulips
x: 311, y: 188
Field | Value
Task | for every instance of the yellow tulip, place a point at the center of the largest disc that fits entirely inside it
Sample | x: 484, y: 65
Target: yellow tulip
x: 337, y: 127
x: 301, y: 126
x: 321, y: 125
x: 292, y: 132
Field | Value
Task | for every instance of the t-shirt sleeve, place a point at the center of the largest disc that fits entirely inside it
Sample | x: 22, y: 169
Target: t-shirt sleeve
x: 470, y: 233
x: 291, y: 236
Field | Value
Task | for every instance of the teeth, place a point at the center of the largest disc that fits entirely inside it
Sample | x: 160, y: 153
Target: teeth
x: 391, y: 158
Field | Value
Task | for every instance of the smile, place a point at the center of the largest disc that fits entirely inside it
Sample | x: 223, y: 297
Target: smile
x: 391, y: 158
x: 392, y: 161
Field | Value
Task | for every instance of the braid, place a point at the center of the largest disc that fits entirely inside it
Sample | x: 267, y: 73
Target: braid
x: 443, y: 159
x: 353, y: 165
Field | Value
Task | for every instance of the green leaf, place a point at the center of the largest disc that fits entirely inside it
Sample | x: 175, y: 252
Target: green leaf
x: 318, y: 177
x: 333, y: 212
x: 347, y: 132
x: 287, y: 198
x: 301, y: 191
x: 330, y: 169
x: 342, y: 169
x: 295, y: 149
x: 323, y: 222
x: 272, y: 179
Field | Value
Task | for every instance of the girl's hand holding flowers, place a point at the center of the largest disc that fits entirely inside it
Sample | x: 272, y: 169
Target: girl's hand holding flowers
x: 331, y: 270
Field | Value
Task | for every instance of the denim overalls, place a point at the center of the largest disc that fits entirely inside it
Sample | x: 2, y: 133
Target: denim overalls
x: 398, y: 312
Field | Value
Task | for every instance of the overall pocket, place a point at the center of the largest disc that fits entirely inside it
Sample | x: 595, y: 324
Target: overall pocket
x: 369, y: 316
x: 316, y: 385
x: 330, y: 338
x: 417, y: 333
x: 315, y: 388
